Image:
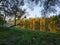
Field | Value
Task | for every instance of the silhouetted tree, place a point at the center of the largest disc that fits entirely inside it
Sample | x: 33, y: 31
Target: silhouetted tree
x: 12, y: 8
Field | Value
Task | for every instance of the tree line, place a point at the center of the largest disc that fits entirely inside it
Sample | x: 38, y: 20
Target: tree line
x: 53, y: 24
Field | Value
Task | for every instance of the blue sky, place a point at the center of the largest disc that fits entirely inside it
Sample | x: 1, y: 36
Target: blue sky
x: 35, y: 10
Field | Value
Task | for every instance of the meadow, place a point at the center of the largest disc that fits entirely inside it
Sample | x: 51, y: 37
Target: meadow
x: 17, y: 36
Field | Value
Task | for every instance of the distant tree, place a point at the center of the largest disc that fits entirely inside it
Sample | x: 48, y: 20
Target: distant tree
x: 48, y: 7
x: 54, y: 23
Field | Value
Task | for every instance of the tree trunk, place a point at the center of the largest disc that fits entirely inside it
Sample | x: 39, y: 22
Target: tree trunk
x: 15, y: 20
x: 46, y: 25
x: 4, y: 21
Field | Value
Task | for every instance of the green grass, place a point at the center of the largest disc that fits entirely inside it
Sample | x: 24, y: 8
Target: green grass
x: 16, y: 36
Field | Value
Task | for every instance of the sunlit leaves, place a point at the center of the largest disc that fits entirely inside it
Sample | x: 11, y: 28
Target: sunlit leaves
x: 53, y: 24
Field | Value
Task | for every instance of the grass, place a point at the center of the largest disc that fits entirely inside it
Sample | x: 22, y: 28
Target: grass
x: 16, y: 36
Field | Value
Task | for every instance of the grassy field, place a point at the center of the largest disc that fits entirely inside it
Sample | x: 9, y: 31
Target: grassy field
x: 16, y: 36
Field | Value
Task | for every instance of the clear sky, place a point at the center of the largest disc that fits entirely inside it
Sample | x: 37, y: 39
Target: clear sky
x: 35, y: 10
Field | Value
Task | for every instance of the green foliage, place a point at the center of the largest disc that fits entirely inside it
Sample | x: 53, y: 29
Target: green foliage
x: 2, y: 21
x: 12, y: 8
x: 54, y: 22
x: 15, y: 36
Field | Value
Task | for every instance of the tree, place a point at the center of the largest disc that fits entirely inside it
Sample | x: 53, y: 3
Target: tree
x: 15, y: 7
x: 1, y: 21
x: 48, y: 7
x: 12, y: 8
x: 3, y: 8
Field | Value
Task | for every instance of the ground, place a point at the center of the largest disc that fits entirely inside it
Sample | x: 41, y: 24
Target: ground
x: 16, y: 36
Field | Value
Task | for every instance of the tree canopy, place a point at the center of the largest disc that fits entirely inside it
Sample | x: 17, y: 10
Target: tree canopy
x: 11, y: 8
x: 48, y: 6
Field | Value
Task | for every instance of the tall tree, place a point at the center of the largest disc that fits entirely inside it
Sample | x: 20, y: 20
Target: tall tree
x: 15, y: 7
x: 3, y: 8
x: 11, y: 8
x: 1, y: 20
